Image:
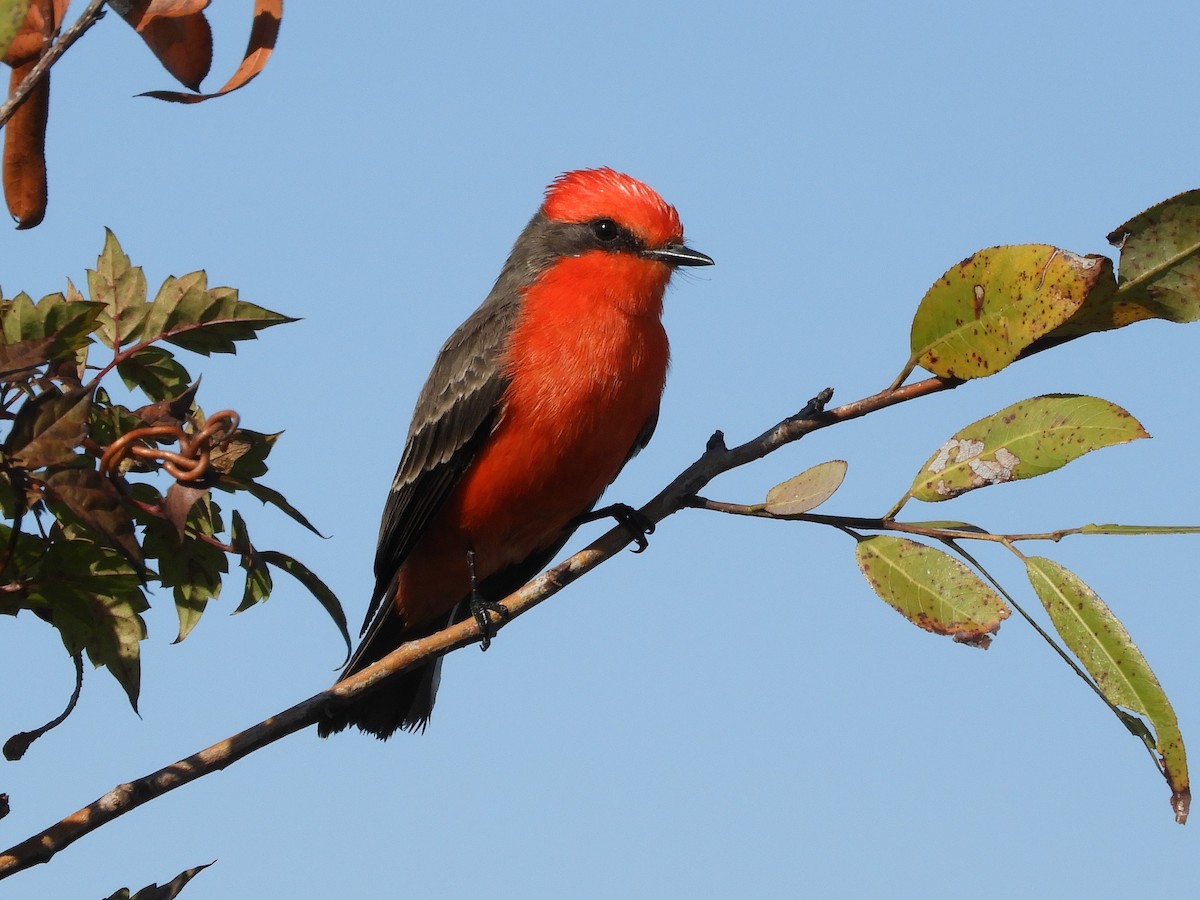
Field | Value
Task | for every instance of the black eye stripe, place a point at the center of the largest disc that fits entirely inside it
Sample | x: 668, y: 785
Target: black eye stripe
x: 576, y: 238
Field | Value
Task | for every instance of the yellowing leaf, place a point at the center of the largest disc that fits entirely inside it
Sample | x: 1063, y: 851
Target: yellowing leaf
x: 1029, y: 438
x: 806, y: 491
x: 204, y: 320
x: 931, y: 589
x: 1160, y: 262
x: 1114, y: 661
x: 980, y: 315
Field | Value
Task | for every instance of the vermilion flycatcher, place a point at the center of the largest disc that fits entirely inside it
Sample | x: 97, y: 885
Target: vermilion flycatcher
x: 533, y: 406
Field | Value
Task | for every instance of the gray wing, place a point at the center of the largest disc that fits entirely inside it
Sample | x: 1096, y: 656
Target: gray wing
x: 456, y: 410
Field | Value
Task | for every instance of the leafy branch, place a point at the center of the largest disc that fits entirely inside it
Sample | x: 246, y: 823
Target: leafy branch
x: 987, y: 312
x: 67, y: 448
x: 176, y: 32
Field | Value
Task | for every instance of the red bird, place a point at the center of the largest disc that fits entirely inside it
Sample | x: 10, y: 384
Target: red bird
x: 533, y: 406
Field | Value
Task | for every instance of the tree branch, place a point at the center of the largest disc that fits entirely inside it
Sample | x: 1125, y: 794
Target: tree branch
x: 716, y: 460
x: 89, y: 17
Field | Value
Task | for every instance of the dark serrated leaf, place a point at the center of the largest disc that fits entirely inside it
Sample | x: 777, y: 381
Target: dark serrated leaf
x: 95, y: 600
x: 314, y: 585
x: 19, y: 320
x: 178, y: 502
x: 121, y: 287
x: 267, y: 495
x: 165, y: 313
x: 168, y: 891
x: 224, y: 321
x: 204, y: 321
x: 173, y: 411
x: 258, y: 576
x: 92, y: 501
x: 48, y: 429
x: 21, y: 359
x: 70, y: 321
x: 191, y: 567
x: 68, y: 324
x: 23, y: 552
x: 156, y: 372
x: 243, y: 455
x: 111, y: 420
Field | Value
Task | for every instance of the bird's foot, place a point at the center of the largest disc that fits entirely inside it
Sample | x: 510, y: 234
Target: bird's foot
x: 479, y: 610
x: 632, y: 520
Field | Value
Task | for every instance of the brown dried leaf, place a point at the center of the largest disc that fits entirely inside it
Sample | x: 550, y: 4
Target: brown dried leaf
x: 176, y: 32
x: 263, y: 34
x: 23, y: 355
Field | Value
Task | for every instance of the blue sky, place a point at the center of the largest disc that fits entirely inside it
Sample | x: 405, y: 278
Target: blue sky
x: 732, y: 713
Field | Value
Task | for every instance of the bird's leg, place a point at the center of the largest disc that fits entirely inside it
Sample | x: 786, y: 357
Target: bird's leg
x: 627, y: 517
x: 480, y: 607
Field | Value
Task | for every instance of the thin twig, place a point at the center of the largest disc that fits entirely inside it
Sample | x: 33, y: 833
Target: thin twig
x: 90, y: 16
x: 716, y: 460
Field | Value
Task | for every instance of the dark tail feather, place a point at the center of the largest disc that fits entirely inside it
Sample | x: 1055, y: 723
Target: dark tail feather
x: 405, y: 702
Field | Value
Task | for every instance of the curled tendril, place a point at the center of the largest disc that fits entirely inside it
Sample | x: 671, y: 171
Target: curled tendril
x: 190, y: 463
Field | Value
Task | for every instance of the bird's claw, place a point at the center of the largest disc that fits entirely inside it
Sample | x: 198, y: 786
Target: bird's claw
x: 479, y: 610
x: 632, y: 520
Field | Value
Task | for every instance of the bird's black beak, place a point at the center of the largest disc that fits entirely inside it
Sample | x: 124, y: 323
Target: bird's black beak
x: 678, y: 255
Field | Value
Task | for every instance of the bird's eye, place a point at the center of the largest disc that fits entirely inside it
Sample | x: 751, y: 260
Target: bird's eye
x: 605, y: 230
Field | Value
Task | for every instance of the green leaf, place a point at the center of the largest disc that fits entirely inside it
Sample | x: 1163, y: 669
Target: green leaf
x: 156, y: 371
x: 243, y: 454
x: 121, y: 287
x: 806, y: 491
x: 89, y: 498
x: 111, y: 420
x: 27, y: 551
x: 49, y: 428
x: 1024, y: 440
x: 1140, y: 529
x: 315, y: 586
x: 1160, y: 263
x: 931, y: 589
x: 12, y: 17
x: 1122, y: 674
x: 986, y: 310
x: 70, y: 322
x: 53, y: 329
x: 258, y: 576
x: 19, y: 319
x: 950, y: 525
x: 204, y: 321
x: 95, y: 601
x: 267, y: 495
x: 191, y: 567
